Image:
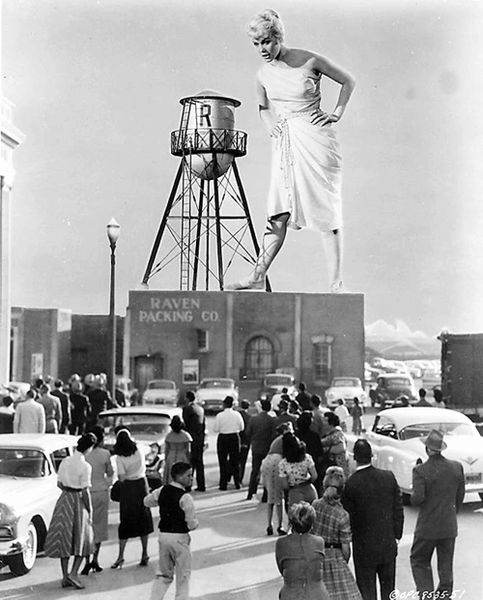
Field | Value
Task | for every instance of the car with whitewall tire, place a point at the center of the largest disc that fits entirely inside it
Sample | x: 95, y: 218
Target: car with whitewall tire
x: 397, y: 439
x: 28, y: 493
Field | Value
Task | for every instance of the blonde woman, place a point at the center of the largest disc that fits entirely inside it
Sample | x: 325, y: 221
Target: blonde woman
x: 305, y: 186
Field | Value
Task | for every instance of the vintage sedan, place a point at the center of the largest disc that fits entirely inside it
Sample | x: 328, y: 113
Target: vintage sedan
x: 345, y: 388
x: 28, y: 493
x: 213, y: 390
x: 147, y: 425
x: 161, y: 391
x: 273, y: 383
x: 397, y: 439
x: 390, y: 386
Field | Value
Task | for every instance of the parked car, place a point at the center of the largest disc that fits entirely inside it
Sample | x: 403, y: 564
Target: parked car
x: 390, y: 386
x: 126, y: 386
x: 273, y: 383
x: 397, y: 434
x: 212, y: 391
x: 345, y: 388
x: 161, y: 391
x: 28, y: 493
x: 146, y: 424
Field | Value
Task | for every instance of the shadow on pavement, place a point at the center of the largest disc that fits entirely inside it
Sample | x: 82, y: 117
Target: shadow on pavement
x: 267, y: 590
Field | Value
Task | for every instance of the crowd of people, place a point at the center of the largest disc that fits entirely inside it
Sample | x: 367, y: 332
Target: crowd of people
x: 52, y: 406
x: 298, y: 458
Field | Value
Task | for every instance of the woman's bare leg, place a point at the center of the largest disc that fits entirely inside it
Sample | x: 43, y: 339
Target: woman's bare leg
x: 273, y: 240
x: 334, y: 247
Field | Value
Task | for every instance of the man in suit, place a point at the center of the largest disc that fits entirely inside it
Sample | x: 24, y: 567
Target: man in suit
x: 439, y: 490
x: 260, y: 432
x: 64, y: 404
x: 195, y: 425
x: 374, y: 502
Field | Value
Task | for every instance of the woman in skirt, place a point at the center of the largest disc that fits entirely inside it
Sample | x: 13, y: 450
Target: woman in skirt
x: 102, y: 472
x: 135, y: 518
x: 332, y: 522
x: 271, y: 480
x: 70, y: 531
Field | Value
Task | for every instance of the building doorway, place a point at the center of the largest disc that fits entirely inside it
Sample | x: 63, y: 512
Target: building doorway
x: 259, y: 357
x: 146, y: 368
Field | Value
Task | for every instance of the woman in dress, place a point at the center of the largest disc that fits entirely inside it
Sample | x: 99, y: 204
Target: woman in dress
x: 271, y: 480
x: 334, y: 444
x: 305, y: 187
x: 332, y: 523
x: 177, y: 447
x: 70, y: 531
x: 102, y: 472
x: 297, y: 470
x: 300, y: 557
x: 135, y: 518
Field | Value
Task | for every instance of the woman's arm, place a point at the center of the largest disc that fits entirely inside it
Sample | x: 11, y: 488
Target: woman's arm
x: 313, y: 473
x: 346, y: 551
x: 326, y: 67
x: 268, y: 119
x: 121, y: 471
x: 86, y: 498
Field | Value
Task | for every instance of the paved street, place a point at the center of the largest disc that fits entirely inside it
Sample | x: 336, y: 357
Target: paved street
x: 232, y: 557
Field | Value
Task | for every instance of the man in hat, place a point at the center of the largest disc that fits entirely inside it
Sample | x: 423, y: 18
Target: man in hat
x: 373, y: 500
x: 439, y: 490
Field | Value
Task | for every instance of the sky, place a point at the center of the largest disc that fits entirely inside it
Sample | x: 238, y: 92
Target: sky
x: 96, y: 87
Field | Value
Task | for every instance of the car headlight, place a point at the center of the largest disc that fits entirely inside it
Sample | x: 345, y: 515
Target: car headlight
x: 7, y: 514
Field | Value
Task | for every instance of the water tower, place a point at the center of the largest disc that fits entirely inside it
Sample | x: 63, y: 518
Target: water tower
x: 206, y: 223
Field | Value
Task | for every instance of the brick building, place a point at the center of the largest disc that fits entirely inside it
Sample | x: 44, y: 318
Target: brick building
x: 185, y: 336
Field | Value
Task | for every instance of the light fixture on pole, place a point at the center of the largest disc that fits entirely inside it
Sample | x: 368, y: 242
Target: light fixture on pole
x: 113, y: 231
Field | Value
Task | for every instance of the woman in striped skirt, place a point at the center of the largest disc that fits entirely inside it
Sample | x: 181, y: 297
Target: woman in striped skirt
x: 332, y: 523
x: 70, y: 531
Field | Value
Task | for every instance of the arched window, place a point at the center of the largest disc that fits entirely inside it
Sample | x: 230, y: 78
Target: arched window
x: 258, y: 357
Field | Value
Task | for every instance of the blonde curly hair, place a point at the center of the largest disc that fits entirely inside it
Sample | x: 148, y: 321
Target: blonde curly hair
x: 266, y: 23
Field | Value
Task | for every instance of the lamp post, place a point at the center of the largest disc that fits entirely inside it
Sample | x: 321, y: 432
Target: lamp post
x: 113, y: 231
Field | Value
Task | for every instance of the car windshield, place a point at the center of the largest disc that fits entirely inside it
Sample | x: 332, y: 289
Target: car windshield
x: 347, y: 382
x: 216, y: 383
x: 19, y: 462
x: 397, y: 382
x: 161, y: 385
x: 145, y: 425
x: 449, y: 429
x: 278, y: 380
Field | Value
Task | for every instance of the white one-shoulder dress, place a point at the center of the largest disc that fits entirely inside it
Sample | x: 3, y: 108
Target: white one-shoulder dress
x: 306, y: 173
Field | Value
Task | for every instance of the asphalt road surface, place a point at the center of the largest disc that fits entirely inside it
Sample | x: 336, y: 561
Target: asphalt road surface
x: 232, y: 557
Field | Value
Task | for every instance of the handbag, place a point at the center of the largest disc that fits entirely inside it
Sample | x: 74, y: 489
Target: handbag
x: 116, y: 491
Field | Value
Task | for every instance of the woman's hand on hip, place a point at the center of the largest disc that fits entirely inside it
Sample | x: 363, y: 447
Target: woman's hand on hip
x: 322, y: 118
x: 276, y: 130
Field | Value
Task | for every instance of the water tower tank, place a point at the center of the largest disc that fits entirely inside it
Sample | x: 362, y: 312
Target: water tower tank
x: 206, y: 134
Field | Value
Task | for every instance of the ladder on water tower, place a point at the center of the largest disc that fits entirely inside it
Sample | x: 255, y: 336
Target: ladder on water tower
x: 186, y: 184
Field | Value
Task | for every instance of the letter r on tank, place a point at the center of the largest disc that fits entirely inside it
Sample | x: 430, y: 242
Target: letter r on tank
x: 205, y: 112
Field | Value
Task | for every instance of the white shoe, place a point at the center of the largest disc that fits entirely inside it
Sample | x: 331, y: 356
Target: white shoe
x: 337, y: 287
x: 247, y: 284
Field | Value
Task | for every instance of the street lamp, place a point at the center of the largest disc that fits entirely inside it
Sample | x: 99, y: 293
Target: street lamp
x: 113, y: 231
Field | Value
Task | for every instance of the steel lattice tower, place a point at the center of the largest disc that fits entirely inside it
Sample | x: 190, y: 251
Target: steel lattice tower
x: 206, y: 223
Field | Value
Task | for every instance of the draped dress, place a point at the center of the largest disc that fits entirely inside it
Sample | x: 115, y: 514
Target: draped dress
x: 306, y: 171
